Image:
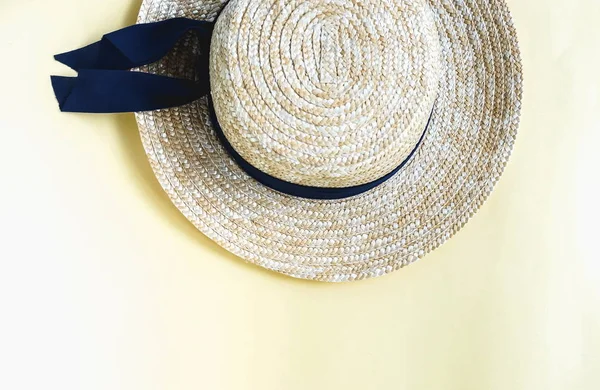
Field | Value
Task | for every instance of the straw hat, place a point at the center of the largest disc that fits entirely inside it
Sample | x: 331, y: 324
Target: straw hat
x: 337, y: 94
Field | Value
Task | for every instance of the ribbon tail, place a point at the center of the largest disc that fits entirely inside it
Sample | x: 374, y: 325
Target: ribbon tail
x: 136, y: 45
x: 143, y: 44
x: 98, y: 55
x: 62, y: 89
x: 113, y: 91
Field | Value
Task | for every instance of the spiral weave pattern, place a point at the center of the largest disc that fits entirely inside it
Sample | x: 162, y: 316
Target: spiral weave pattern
x: 464, y: 152
x: 325, y: 93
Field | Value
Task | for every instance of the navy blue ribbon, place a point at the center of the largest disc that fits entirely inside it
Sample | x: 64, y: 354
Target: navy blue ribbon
x: 297, y: 189
x: 104, y: 84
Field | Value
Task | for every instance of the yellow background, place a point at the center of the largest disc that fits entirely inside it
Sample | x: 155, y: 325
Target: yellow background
x: 104, y: 285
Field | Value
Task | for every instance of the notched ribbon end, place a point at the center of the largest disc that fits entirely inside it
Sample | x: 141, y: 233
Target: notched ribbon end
x: 62, y: 58
x: 83, y: 58
x: 63, y: 86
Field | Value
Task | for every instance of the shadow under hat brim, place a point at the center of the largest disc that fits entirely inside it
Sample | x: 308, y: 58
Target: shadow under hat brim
x: 462, y: 156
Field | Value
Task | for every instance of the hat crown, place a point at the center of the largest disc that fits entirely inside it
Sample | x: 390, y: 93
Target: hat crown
x: 325, y: 94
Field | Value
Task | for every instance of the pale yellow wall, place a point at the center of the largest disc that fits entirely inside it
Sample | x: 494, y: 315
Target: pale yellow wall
x: 104, y: 285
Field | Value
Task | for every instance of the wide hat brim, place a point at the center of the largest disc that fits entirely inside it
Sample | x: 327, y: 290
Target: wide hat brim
x: 463, y: 154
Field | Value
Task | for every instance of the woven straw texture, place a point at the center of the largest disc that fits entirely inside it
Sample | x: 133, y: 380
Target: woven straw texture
x: 340, y: 99
x: 383, y: 91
